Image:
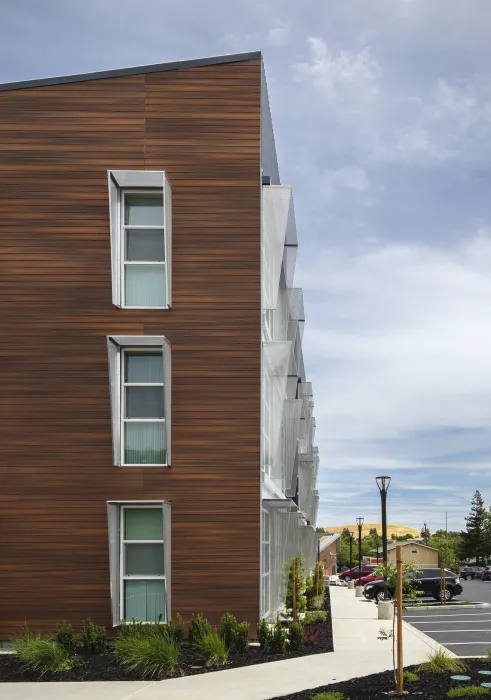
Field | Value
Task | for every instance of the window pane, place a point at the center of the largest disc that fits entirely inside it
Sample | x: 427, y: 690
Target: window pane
x: 144, y: 559
x: 145, y: 245
x: 144, y: 210
x: 144, y: 402
x: 143, y: 524
x: 265, y: 594
x: 144, y: 601
x: 145, y: 285
x: 144, y: 443
x: 265, y: 558
x: 145, y: 368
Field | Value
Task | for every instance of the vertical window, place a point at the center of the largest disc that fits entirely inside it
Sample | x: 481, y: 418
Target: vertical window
x: 266, y: 564
x: 143, y: 232
x: 143, y: 575
x: 267, y: 422
x: 143, y: 411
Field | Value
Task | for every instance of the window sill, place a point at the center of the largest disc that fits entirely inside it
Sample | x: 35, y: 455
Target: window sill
x: 150, y: 466
x: 147, y: 308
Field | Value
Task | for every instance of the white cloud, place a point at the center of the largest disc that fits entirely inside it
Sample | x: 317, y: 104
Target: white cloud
x: 278, y: 35
x: 400, y: 338
x: 338, y: 74
x: 350, y: 177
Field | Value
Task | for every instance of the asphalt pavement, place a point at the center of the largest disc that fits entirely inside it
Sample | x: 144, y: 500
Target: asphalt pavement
x: 463, y: 630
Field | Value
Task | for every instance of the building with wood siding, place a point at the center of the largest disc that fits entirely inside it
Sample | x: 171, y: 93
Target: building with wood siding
x: 156, y: 421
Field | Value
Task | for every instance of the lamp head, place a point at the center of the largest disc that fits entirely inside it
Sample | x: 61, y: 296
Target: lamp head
x: 383, y: 483
x: 360, y: 521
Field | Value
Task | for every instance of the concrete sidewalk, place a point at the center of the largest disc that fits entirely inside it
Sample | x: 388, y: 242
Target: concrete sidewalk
x: 357, y: 652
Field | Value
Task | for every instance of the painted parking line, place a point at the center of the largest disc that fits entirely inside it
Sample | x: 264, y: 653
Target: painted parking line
x: 425, y: 617
x: 454, y: 632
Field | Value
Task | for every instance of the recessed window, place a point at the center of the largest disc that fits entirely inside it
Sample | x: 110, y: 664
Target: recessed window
x: 143, y: 410
x: 140, y: 376
x: 140, y: 560
x: 142, y: 564
x: 141, y: 238
x: 266, y: 564
x: 143, y: 232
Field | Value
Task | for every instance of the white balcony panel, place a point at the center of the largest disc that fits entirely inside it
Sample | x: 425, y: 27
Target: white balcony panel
x: 278, y: 227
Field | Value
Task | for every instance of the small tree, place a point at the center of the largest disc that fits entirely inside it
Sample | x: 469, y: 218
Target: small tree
x: 315, y: 584
x: 295, y: 595
x: 474, y: 540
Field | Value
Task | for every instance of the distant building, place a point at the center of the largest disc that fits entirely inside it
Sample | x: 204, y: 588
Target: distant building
x: 328, y: 552
x: 415, y: 552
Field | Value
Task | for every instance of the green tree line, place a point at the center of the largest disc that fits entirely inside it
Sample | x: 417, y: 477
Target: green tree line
x: 472, y: 544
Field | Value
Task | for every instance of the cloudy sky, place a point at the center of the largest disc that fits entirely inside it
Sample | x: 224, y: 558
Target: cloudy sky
x: 382, y: 115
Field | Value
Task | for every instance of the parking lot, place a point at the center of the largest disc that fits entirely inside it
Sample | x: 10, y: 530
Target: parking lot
x: 464, y: 631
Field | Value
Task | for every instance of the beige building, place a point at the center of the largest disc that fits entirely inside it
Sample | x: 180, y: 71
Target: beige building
x: 415, y: 552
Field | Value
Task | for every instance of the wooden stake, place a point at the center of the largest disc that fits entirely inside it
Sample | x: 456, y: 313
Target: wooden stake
x: 294, y: 589
x: 400, y: 668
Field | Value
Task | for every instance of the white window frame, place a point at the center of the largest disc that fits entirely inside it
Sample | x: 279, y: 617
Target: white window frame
x: 265, y: 571
x: 128, y: 577
x: 115, y: 533
x: 124, y: 420
x: 137, y: 182
x: 117, y: 346
x: 125, y: 227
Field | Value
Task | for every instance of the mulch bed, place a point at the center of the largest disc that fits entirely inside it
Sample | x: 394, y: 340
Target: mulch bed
x: 431, y: 686
x: 105, y: 668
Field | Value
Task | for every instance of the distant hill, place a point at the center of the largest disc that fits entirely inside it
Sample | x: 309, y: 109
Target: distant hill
x: 391, y: 529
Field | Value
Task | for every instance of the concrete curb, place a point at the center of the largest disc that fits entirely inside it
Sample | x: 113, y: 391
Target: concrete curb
x: 450, y: 606
x: 431, y: 643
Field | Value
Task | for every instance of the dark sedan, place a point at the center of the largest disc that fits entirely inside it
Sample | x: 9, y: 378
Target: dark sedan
x: 426, y: 580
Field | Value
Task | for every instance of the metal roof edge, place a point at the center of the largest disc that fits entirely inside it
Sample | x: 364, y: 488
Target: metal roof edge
x: 134, y: 70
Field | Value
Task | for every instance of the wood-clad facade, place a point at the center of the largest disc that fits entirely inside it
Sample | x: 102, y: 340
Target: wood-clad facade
x: 201, y: 124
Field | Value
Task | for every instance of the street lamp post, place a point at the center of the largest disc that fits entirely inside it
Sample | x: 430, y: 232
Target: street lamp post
x: 359, y: 522
x: 426, y: 534
x: 383, y: 483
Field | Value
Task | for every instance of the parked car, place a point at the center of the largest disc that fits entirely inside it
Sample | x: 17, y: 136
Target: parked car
x: 427, y: 581
x: 486, y: 574
x: 369, y: 579
x: 355, y: 573
x: 470, y: 572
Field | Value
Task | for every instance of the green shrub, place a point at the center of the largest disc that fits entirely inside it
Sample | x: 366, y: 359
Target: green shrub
x: 199, y: 627
x: 296, y: 565
x: 176, y: 629
x: 228, y: 629
x: 295, y: 636
x: 317, y: 616
x: 263, y: 633
x: 317, y: 602
x: 42, y: 655
x: 315, y: 584
x: 328, y: 696
x: 468, y: 691
x: 441, y: 662
x: 65, y: 636
x: 151, y: 656
x: 93, y: 637
x: 278, y: 639
x: 242, y: 638
x: 213, y: 649
x: 410, y: 677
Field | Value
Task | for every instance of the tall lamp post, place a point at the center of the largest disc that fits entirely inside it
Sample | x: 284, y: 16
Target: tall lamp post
x: 426, y: 533
x: 359, y: 522
x: 383, y: 483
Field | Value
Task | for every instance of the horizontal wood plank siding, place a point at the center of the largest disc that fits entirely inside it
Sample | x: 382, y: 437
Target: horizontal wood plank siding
x: 202, y: 125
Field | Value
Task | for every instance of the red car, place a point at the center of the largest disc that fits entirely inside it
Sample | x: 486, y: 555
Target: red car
x: 369, y: 579
x: 355, y: 573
